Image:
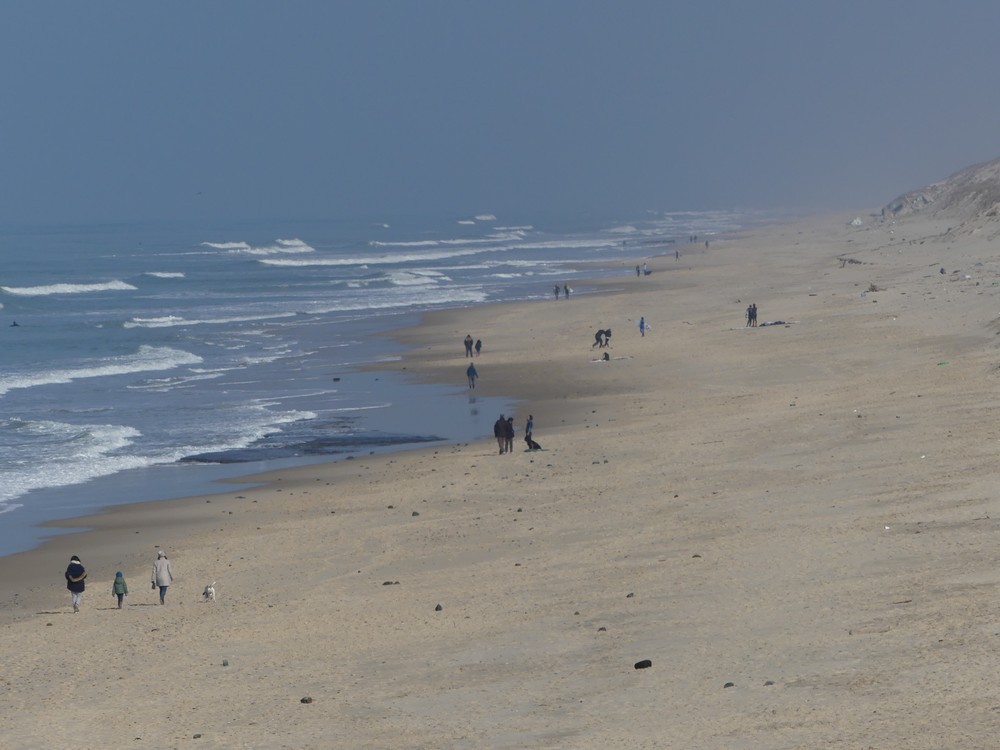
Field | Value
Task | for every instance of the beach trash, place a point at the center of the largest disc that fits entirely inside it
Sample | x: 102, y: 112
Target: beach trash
x: 306, y: 699
x: 644, y: 664
x: 225, y: 662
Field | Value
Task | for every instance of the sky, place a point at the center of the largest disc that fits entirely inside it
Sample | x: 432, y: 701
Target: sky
x: 239, y: 109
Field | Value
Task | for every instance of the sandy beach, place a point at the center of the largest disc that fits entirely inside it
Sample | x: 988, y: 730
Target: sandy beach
x: 791, y: 522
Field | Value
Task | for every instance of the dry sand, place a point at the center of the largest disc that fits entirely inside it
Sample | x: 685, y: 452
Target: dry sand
x: 804, y: 511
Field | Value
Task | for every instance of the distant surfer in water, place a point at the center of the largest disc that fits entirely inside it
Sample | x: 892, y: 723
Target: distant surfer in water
x: 14, y: 325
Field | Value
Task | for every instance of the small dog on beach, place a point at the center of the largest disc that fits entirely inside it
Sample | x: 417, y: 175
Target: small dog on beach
x: 209, y: 592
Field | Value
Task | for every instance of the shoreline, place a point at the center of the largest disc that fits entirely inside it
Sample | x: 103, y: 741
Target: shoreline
x: 793, y: 523
x: 165, y: 521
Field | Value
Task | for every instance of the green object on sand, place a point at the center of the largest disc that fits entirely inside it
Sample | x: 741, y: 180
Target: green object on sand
x: 942, y: 363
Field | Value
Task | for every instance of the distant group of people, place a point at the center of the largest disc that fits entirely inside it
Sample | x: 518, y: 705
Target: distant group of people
x: 644, y: 271
x: 751, y: 316
x: 565, y: 289
x: 470, y: 372
x: 76, y: 580
x: 503, y: 431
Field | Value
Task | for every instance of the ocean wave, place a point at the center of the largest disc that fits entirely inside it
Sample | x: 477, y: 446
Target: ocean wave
x: 374, y: 260
x: 490, y: 240
x: 42, y: 291
x: 485, y: 217
x: 147, y: 358
x: 278, y: 248
x: 396, y: 298
x: 58, y: 454
x: 166, y: 274
x: 161, y: 385
x: 169, y: 321
x: 416, y: 278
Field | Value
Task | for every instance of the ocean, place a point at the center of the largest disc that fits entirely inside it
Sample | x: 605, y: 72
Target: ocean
x: 145, y: 361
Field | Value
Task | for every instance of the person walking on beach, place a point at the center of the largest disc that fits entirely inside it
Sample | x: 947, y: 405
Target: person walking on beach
x: 76, y: 581
x: 163, y: 575
x: 556, y: 290
x: 119, y: 588
x: 642, y: 327
x: 500, y: 433
x: 638, y: 272
x: 468, y: 345
x: 753, y: 315
x: 471, y: 372
x: 749, y: 315
x: 508, y: 434
x: 479, y: 346
x: 566, y: 291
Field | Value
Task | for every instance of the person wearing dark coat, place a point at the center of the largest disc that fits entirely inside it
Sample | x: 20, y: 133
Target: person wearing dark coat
x: 76, y: 582
x: 508, y: 434
x: 500, y: 433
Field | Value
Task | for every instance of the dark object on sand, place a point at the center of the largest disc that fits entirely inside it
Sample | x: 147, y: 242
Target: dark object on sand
x: 532, y: 445
x: 644, y: 664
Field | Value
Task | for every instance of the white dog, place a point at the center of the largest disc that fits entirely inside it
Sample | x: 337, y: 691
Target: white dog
x: 209, y: 592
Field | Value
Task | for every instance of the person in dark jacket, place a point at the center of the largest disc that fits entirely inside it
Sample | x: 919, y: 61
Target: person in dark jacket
x: 508, y: 434
x: 500, y: 433
x: 76, y: 581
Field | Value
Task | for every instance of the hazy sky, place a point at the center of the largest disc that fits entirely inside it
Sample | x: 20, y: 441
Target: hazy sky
x: 319, y: 108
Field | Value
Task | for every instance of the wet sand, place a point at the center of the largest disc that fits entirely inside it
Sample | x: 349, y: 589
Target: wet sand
x: 803, y: 511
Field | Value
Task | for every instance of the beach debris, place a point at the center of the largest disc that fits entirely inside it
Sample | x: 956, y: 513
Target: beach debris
x: 729, y: 684
x: 695, y: 555
x: 306, y: 699
x: 768, y: 683
x: 644, y: 664
x: 225, y: 662
x: 602, y: 629
x: 390, y: 583
x: 414, y: 513
x: 630, y: 595
x: 438, y: 608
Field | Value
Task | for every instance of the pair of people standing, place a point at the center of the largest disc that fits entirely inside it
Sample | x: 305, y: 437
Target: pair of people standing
x: 503, y: 431
x: 752, y: 316
x: 469, y: 346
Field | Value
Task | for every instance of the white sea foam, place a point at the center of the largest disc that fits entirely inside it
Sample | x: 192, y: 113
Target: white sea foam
x: 485, y: 217
x: 147, y: 358
x: 227, y: 245
x: 42, y: 291
x: 466, y: 221
x: 416, y: 278
x: 169, y: 321
x: 58, y: 454
x: 166, y: 274
x: 374, y: 260
x: 278, y: 248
